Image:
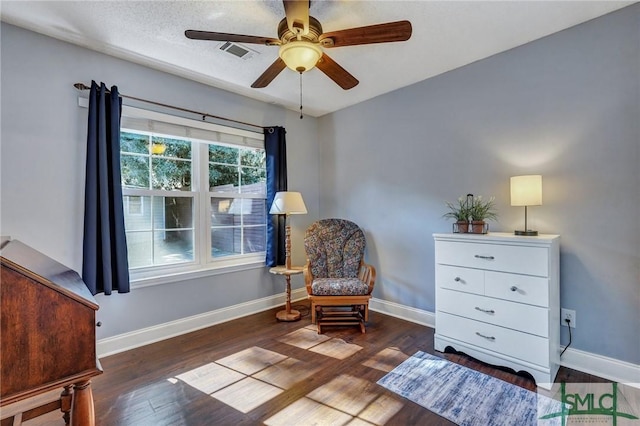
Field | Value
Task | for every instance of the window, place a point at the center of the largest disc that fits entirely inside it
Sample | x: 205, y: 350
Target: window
x: 194, y: 194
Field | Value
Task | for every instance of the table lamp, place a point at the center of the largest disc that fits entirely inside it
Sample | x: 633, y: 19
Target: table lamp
x: 288, y: 203
x: 526, y: 191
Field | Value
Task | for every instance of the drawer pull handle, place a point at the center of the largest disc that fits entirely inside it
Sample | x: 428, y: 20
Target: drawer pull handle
x: 486, y: 337
x: 513, y: 288
x: 486, y: 311
x: 457, y: 279
x: 479, y: 256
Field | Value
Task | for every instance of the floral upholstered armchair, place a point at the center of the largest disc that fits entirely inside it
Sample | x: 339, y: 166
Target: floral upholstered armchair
x: 339, y: 283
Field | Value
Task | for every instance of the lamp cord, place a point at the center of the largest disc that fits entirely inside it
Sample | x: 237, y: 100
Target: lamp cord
x: 569, y: 344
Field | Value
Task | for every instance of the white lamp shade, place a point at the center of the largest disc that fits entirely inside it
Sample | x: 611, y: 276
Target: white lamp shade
x: 300, y: 55
x: 288, y: 202
x: 526, y: 190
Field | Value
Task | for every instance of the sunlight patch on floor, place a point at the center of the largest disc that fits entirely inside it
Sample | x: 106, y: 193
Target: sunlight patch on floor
x: 287, y: 373
x: 344, y: 400
x: 247, y: 394
x: 307, y: 412
x: 386, y: 360
x: 210, y: 377
x: 345, y: 393
x: 309, y: 339
x: 251, y: 377
x: 304, y: 338
x: 336, y: 348
x: 251, y: 360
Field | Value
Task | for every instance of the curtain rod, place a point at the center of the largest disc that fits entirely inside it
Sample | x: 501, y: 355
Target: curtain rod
x: 82, y: 86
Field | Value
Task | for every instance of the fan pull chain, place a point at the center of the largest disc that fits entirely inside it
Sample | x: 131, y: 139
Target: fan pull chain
x: 300, y: 95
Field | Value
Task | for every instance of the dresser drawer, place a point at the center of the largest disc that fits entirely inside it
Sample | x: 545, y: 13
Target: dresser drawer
x: 461, y: 279
x: 518, y: 288
x: 523, y: 346
x: 496, y: 257
x: 526, y: 318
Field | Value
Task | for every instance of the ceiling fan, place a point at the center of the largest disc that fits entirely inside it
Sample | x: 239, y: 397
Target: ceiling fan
x: 302, y: 41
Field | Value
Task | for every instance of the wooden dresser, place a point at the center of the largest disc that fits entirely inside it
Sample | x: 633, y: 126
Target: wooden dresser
x: 47, y: 336
x: 498, y: 300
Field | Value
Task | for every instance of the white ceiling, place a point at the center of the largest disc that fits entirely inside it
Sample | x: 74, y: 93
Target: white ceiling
x: 446, y: 35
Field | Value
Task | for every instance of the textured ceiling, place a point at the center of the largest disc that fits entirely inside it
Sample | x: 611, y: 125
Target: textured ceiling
x: 446, y: 35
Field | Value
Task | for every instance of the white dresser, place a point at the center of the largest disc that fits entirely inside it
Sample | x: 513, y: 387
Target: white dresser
x: 498, y: 300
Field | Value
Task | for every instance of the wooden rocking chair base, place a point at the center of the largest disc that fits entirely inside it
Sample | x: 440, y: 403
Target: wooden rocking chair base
x: 334, y: 316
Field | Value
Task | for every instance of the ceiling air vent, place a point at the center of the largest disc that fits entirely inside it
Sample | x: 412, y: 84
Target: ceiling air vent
x: 237, y: 50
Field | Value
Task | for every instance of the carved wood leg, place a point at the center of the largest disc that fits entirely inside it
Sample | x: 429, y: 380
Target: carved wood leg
x: 82, y: 410
x: 65, y: 403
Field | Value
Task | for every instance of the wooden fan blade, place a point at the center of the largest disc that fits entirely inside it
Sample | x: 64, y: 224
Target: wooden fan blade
x: 336, y: 73
x: 237, y: 38
x: 270, y: 73
x: 380, y: 33
x: 297, y: 12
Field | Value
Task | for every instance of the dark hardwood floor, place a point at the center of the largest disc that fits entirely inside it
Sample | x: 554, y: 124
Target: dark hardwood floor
x: 142, y: 387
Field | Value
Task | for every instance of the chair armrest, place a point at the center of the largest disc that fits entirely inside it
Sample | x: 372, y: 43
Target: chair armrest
x: 367, y: 275
x: 308, y: 276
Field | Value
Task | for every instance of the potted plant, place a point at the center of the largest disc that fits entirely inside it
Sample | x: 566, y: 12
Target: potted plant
x: 481, y: 210
x: 459, y: 212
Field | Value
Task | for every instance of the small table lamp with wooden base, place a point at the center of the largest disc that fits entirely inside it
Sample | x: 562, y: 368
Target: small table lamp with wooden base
x: 287, y: 203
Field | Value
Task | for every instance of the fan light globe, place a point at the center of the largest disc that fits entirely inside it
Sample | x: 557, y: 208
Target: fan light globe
x: 300, y: 55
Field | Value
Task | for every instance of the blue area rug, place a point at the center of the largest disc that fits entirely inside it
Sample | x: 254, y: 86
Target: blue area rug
x: 465, y: 396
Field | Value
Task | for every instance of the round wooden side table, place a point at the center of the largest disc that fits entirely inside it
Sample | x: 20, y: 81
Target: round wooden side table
x: 287, y: 314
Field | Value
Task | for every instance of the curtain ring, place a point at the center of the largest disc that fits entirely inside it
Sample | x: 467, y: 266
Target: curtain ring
x: 271, y: 130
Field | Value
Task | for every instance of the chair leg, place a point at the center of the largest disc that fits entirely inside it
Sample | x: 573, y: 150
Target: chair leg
x: 313, y: 312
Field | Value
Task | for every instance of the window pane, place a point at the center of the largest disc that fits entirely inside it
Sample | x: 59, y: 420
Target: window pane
x: 255, y: 211
x: 223, y: 154
x: 173, y: 147
x: 173, y: 247
x: 139, y: 249
x: 220, y: 215
x: 226, y: 232
x: 171, y: 174
x: 172, y: 212
x: 253, y: 157
x: 223, y: 178
x: 255, y: 239
x: 137, y: 213
x: 133, y: 142
x: 225, y: 242
x: 135, y: 171
x: 254, y: 181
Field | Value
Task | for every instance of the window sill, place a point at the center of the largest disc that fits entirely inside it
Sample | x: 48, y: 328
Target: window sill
x: 172, y: 276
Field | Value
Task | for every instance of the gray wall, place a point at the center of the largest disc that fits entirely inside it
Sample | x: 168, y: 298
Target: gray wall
x: 43, y: 137
x: 567, y: 107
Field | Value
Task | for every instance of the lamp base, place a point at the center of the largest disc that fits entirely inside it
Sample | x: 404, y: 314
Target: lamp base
x: 288, y: 316
x: 528, y: 233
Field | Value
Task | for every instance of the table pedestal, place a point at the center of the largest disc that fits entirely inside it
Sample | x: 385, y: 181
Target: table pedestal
x: 287, y: 314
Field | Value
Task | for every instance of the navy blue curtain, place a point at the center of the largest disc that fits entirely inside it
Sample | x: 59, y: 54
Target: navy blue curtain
x: 275, y: 146
x: 105, y: 267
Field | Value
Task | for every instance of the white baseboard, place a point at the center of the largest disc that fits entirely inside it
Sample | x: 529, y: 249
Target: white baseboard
x: 602, y: 366
x: 597, y: 365
x: 124, y: 342
x: 404, y: 312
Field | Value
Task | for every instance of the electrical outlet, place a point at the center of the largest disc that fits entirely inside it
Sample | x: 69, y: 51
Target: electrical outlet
x: 568, y: 314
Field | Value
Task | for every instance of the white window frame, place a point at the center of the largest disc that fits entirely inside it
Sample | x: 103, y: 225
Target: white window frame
x: 203, y: 264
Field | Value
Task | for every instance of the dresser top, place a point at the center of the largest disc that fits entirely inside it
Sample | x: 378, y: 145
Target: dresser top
x: 497, y: 236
